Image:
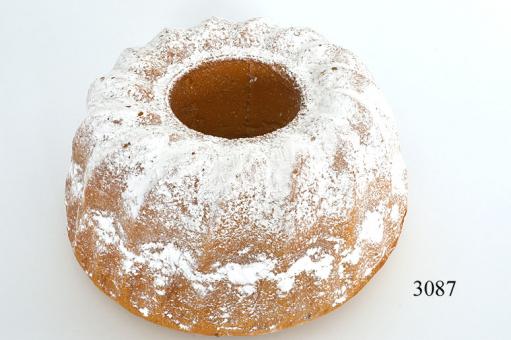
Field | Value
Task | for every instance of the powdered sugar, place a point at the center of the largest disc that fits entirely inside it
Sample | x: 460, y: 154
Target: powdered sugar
x: 352, y: 257
x: 321, y: 269
x: 372, y: 227
x: 144, y: 311
x: 105, y: 229
x: 167, y: 261
x: 76, y: 178
x: 247, y: 274
x: 394, y: 213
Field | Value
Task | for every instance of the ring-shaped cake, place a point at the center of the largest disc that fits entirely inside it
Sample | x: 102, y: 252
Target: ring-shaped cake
x: 235, y: 179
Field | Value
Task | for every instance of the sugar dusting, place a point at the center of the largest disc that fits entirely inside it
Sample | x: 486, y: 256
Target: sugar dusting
x: 318, y: 168
x: 168, y: 260
x: 372, y: 227
x: 321, y: 269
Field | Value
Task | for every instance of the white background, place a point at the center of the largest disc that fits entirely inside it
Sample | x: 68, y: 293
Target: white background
x: 445, y: 68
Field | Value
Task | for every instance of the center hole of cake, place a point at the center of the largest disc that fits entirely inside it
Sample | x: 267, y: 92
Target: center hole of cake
x: 236, y: 98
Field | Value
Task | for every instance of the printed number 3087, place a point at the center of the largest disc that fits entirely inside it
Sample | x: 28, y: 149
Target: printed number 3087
x: 430, y: 288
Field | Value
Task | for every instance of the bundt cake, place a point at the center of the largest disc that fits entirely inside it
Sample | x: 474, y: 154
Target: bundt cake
x: 235, y: 179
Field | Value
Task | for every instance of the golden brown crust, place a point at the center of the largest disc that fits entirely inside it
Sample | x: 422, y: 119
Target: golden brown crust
x: 235, y: 98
